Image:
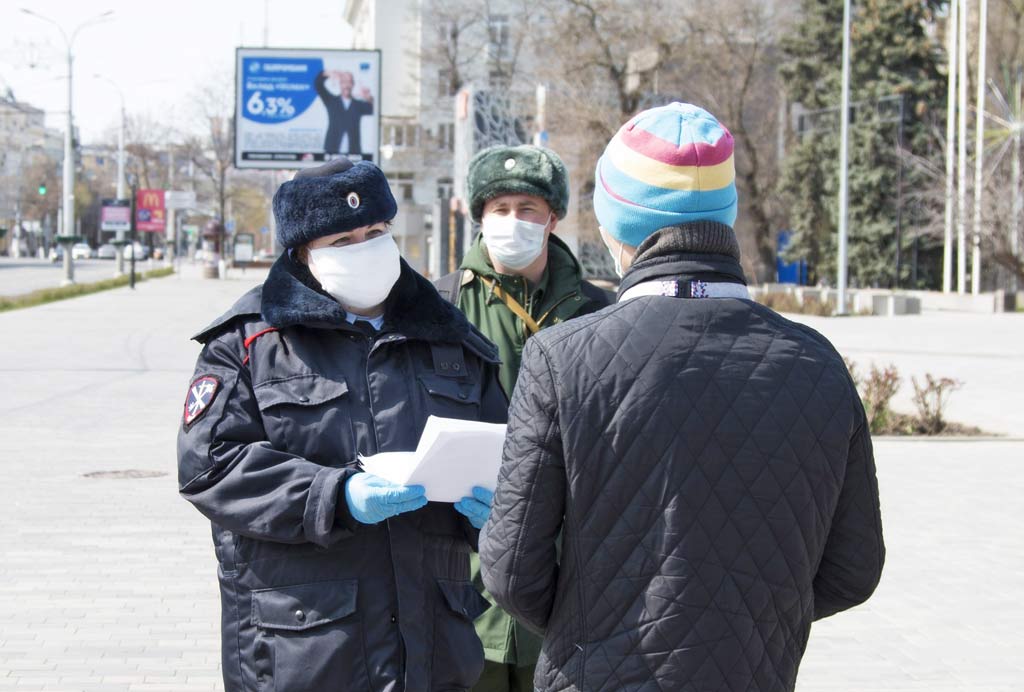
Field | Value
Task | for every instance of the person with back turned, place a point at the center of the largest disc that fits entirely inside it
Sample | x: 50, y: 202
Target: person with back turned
x: 705, y: 463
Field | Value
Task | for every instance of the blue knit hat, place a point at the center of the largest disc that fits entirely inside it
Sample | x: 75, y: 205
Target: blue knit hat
x: 666, y: 166
x: 332, y: 198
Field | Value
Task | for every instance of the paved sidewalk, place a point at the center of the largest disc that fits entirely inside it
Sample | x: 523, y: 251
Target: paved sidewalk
x: 111, y: 584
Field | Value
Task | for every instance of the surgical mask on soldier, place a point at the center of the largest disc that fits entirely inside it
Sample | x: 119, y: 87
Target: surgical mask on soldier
x: 358, y: 276
x: 513, y: 242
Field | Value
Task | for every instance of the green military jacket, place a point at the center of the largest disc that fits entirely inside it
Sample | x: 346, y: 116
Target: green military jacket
x: 561, y: 294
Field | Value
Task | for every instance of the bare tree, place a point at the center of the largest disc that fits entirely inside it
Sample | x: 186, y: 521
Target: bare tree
x: 731, y: 70
x: 209, y: 146
x: 457, y: 40
x: 146, y: 144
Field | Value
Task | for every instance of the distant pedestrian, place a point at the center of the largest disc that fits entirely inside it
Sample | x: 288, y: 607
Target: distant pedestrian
x: 333, y: 579
x: 705, y: 463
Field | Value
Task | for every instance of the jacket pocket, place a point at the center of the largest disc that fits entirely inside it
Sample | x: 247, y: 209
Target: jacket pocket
x: 450, y: 397
x: 299, y: 390
x: 308, y: 637
x: 308, y: 415
x: 458, y: 654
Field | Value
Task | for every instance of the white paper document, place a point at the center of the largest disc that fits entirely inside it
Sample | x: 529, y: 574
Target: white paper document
x: 452, y: 456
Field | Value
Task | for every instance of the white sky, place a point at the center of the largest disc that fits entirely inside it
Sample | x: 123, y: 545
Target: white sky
x: 158, y: 53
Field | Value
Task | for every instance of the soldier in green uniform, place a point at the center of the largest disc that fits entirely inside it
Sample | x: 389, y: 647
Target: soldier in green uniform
x: 517, y: 279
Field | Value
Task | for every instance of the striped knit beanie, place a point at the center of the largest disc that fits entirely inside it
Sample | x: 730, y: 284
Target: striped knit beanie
x: 666, y: 166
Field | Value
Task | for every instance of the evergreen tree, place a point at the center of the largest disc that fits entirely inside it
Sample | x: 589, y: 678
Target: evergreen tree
x: 892, y: 58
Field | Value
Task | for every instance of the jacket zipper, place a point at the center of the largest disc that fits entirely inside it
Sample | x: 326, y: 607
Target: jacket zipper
x: 370, y: 345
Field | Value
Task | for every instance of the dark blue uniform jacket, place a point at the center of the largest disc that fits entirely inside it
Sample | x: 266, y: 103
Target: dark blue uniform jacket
x: 312, y: 599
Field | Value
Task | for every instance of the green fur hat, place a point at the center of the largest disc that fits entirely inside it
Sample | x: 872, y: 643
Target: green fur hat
x: 522, y: 170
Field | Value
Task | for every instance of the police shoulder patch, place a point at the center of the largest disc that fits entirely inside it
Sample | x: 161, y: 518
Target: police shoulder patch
x: 200, y: 395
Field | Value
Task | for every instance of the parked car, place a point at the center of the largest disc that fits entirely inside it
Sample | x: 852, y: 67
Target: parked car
x: 56, y: 253
x: 140, y: 251
x: 106, y: 251
x: 81, y: 251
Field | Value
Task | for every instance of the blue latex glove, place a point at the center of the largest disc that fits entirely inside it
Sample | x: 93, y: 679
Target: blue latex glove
x: 476, y: 508
x: 371, y: 499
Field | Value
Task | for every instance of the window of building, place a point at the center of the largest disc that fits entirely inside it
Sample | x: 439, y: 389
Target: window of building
x: 400, y: 135
x: 444, y: 83
x: 498, y: 79
x: 444, y: 188
x: 498, y: 35
x: 403, y: 185
x: 446, y: 136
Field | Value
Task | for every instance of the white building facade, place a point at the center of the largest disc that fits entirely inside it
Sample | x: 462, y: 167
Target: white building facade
x: 418, y: 104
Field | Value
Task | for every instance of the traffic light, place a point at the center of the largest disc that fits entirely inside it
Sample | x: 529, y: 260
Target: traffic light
x: 42, y: 189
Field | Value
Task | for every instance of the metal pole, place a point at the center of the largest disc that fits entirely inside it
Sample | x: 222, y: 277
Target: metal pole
x: 961, y: 167
x: 899, y: 198
x: 120, y: 159
x: 131, y: 241
x: 951, y: 43
x: 266, y: 23
x: 843, y: 155
x: 69, y: 162
x: 979, y: 150
x: 1018, y: 202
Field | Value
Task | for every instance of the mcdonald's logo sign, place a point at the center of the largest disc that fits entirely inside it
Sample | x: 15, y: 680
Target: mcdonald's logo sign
x: 149, y: 210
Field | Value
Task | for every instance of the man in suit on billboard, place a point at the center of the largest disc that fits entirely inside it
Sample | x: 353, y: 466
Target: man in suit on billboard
x: 344, y: 113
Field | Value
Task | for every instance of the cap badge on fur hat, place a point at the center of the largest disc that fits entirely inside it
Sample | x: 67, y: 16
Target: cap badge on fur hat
x: 353, y: 200
x: 510, y: 164
x: 666, y: 166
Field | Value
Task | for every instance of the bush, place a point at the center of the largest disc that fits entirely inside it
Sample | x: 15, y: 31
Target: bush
x: 49, y: 295
x: 854, y: 375
x: 879, y: 389
x: 787, y: 302
x: 931, y: 399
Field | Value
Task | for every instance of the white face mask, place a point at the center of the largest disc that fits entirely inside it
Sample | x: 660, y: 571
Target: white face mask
x: 616, y: 257
x: 513, y: 242
x: 359, y: 276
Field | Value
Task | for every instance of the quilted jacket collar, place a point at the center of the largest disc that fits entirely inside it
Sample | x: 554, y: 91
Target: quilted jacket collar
x: 661, y: 257
x: 291, y: 296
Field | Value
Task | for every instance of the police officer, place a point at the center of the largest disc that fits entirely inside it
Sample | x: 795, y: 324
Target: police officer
x: 331, y: 578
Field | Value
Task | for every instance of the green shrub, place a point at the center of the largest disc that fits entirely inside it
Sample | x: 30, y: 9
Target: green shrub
x: 49, y: 295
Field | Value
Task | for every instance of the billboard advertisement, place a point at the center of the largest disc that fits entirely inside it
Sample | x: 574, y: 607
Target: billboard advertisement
x: 115, y: 215
x: 296, y: 108
x: 150, y: 214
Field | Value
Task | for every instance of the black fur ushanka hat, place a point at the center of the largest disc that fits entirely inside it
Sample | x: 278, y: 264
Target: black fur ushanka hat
x: 332, y: 198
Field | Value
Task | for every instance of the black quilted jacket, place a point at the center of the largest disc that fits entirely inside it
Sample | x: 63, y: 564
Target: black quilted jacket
x: 709, y: 467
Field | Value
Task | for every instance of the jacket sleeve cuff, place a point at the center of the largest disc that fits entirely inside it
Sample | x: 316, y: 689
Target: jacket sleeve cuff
x: 326, y: 518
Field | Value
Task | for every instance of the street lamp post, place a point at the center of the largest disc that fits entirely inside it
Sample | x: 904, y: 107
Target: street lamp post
x: 131, y: 241
x: 68, y: 230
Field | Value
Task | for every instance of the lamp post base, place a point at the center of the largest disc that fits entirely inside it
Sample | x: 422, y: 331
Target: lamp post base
x: 66, y: 241
x: 119, y: 257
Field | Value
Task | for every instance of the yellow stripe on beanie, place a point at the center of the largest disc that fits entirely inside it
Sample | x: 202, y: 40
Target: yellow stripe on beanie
x: 663, y: 175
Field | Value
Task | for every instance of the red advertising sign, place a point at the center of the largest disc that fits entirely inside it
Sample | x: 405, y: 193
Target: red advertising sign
x: 150, y: 214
